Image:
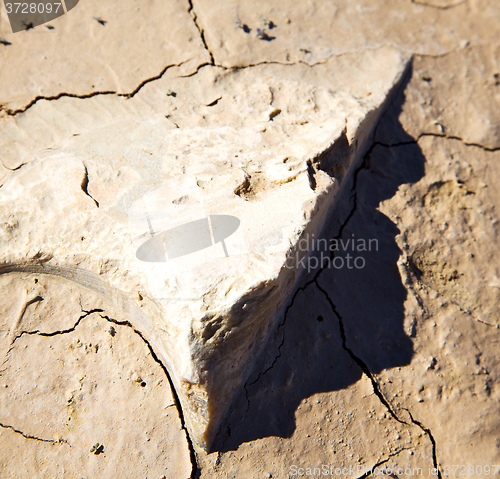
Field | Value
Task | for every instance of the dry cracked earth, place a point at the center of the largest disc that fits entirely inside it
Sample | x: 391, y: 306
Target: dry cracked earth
x: 392, y: 366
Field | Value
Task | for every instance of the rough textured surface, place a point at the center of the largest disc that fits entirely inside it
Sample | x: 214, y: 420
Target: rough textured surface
x: 392, y: 365
x: 273, y: 154
x: 72, y: 376
x: 311, y: 32
x: 425, y: 326
x: 435, y: 103
x: 118, y: 57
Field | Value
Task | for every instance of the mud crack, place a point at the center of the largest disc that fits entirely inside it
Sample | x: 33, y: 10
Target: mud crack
x: 12, y: 169
x: 40, y: 333
x: 54, y: 333
x: 202, y: 32
x: 369, y: 473
x: 320, y: 270
x: 364, y: 367
x: 85, y: 184
x: 28, y: 436
x: 151, y: 79
x: 431, y: 437
x: 376, y: 389
x: 177, y: 403
x: 436, y: 135
x: 90, y: 95
x: 55, y: 97
x: 83, y: 96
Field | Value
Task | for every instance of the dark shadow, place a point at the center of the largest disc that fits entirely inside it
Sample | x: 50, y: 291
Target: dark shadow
x: 101, y: 21
x: 264, y: 36
x: 243, y: 26
x: 306, y: 355
x: 99, y: 450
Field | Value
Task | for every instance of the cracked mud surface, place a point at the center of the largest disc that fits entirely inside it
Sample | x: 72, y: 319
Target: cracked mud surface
x: 395, y: 364
x: 418, y: 325
x: 94, y: 381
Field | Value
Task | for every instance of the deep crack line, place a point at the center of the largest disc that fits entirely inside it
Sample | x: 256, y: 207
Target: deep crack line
x: 54, y: 333
x: 131, y: 94
x: 54, y: 97
x: 235, y: 68
x: 12, y: 169
x: 320, y: 270
x: 252, y: 65
x: 378, y: 464
x: 85, y: 186
x: 431, y: 437
x: 28, y: 436
x: 281, y: 325
x: 201, y: 31
x: 452, y: 137
x: 358, y: 360
x: 376, y: 389
x: 154, y: 78
x: 90, y: 95
x: 177, y: 402
x: 435, y: 135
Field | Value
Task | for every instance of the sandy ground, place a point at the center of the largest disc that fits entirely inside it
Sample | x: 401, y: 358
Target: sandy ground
x: 390, y: 366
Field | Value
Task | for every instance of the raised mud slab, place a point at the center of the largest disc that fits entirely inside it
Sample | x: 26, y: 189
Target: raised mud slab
x: 185, y: 206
